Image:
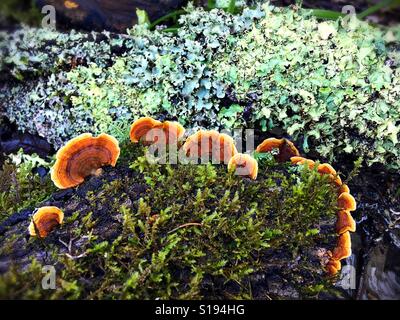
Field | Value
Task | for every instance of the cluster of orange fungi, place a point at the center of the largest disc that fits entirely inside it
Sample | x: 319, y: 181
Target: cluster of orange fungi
x: 345, y: 222
x: 86, y: 155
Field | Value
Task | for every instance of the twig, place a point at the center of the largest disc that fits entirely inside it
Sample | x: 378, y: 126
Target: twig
x: 66, y: 245
x: 76, y: 257
x: 186, y: 225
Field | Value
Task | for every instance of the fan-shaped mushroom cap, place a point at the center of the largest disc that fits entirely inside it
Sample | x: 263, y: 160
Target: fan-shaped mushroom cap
x: 343, y: 247
x: 201, y: 142
x: 333, y: 266
x: 345, y: 222
x: 210, y: 142
x: 244, y: 165
x: 141, y: 127
x: 301, y: 160
x: 337, y: 180
x: 69, y: 4
x: 297, y: 160
x: 326, y: 168
x: 269, y: 144
x: 347, y: 202
x: 82, y: 157
x: 344, y: 188
x: 286, y: 148
x: 174, y: 131
x: 45, y: 220
x: 227, y: 147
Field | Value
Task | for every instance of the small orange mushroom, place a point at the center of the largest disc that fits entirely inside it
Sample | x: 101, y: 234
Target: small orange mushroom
x: 201, y: 143
x: 174, y: 131
x: 345, y: 222
x: 45, y: 220
x: 344, y: 188
x: 297, y: 160
x: 141, y: 127
x: 326, y: 168
x: 347, y: 202
x: 269, y: 144
x: 333, y: 266
x: 210, y: 142
x: 83, y: 156
x: 244, y: 165
x: 69, y: 4
x: 286, y: 148
x: 300, y: 160
x: 337, y: 180
x: 343, y: 247
x: 227, y: 147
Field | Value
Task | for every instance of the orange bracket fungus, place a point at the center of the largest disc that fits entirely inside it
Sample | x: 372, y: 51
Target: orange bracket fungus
x: 227, y: 147
x: 347, y: 202
x: 300, y: 160
x: 83, y: 156
x: 286, y: 148
x: 344, y: 188
x: 174, y: 131
x: 343, y: 247
x: 326, y: 168
x: 345, y: 222
x: 45, y: 220
x: 333, y: 266
x: 149, y: 130
x: 201, y: 143
x: 297, y: 159
x: 69, y: 4
x: 141, y: 127
x: 204, y: 143
x: 244, y: 165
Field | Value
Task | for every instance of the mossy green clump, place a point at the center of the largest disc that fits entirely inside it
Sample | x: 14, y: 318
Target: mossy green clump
x: 185, y: 232
x: 20, y: 186
x: 17, y: 11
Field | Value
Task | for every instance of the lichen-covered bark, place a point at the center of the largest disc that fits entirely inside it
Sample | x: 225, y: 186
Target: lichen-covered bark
x: 333, y: 86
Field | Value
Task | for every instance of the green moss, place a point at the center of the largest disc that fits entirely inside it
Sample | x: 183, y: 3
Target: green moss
x: 20, y: 186
x: 26, y: 284
x: 20, y: 11
x: 188, y: 231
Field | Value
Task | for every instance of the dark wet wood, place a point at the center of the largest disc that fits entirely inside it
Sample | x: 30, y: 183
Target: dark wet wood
x: 112, y: 15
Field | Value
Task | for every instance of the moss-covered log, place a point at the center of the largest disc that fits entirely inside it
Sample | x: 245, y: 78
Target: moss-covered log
x: 150, y: 231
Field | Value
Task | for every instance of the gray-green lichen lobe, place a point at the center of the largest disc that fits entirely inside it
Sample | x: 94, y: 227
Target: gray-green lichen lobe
x: 334, y: 86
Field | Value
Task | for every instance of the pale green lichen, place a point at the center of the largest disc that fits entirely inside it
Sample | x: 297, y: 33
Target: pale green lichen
x: 329, y: 83
x: 334, y: 86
